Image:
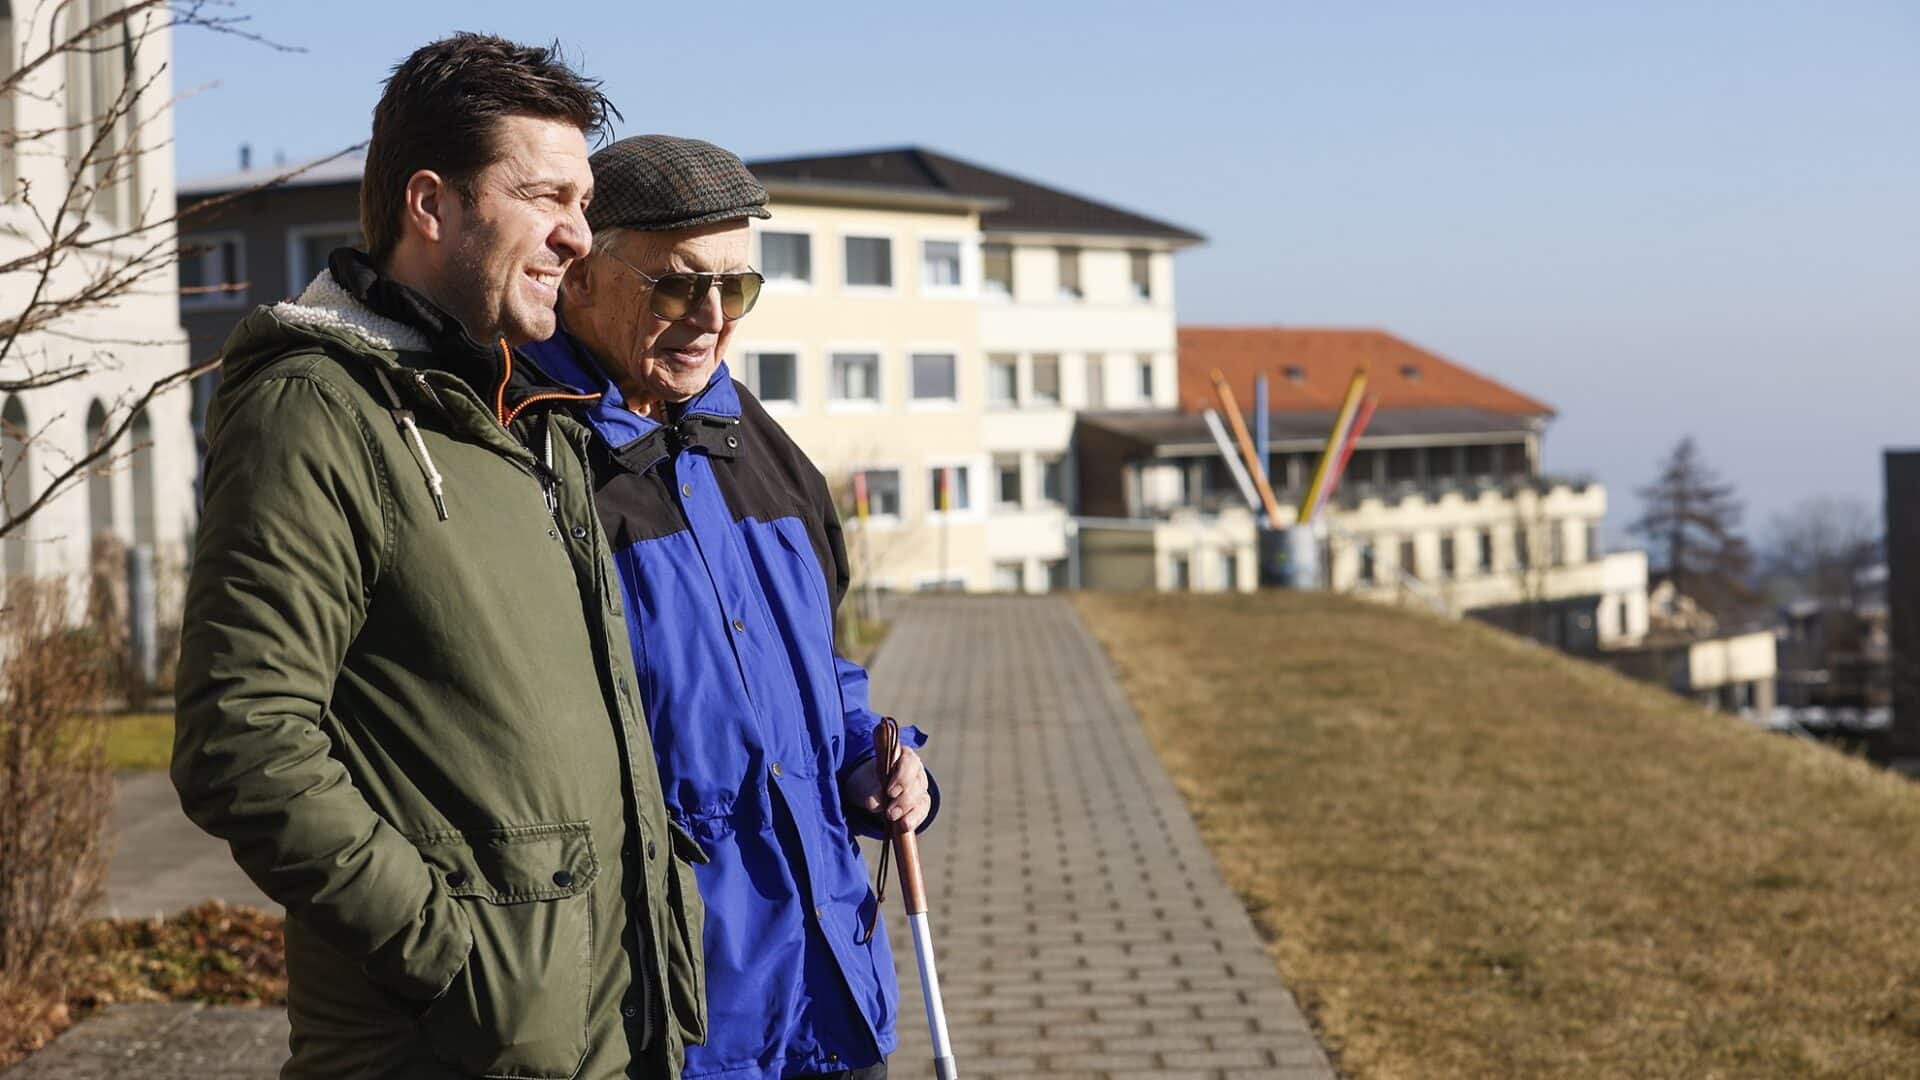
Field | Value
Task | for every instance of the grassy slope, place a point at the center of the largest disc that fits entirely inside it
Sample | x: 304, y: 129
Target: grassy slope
x: 139, y: 741
x: 1474, y: 857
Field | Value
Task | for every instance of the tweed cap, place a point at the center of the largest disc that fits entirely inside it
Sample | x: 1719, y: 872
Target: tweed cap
x: 660, y: 182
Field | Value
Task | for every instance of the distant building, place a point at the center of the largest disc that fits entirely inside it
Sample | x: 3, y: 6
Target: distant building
x: 1074, y: 303
x: 1444, y: 501
x: 145, y: 496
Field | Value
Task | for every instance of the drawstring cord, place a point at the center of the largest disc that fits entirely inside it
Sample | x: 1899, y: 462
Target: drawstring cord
x: 403, y: 418
x: 886, y: 755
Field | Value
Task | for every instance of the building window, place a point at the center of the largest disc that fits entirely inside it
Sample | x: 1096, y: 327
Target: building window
x: 1369, y: 573
x: 1096, y: 381
x: 1003, y: 379
x: 309, y: 247
x: 1229, y: 571
x: 213, y: 271
x: 1009, y: 576
x: 1403, y: 465
x: 1069, y: 273
x: 8, y: 175
x: 883, y: 492
x: 774, y: 376
x: 1181, y: 577
x: 1486, y: 552
x: 16, y: 486
x: 955, y: 497
x: 99, y: 481
x: 996, y: 269
x: 1146, y: 378
x: 1140, y: 271
x: 1006, y: 480
x: 1046, y: 379
x: 1408, y: 559
x: 870, y: 262
x: 856, y: 377
x: 1593, y: 541
x: 1447, y: 567
x: 1053, y: 480
x: 99, y: 84
x: 1556, y: 544
x: 1480, y: 461
x: 940, y: 264
x: 1523, y: 548
x: 934, y: 377
x: 787, y: 257
x: 145, y: 518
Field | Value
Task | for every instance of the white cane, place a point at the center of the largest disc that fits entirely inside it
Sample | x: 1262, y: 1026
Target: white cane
x: 886, y: 744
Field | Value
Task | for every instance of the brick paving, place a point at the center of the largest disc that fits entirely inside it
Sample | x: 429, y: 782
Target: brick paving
x: 1083, y: 929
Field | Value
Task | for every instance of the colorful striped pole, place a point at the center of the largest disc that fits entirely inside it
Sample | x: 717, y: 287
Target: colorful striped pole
x: 1353, y: 441
x: 1335, y: 438
x: 1231, y: 407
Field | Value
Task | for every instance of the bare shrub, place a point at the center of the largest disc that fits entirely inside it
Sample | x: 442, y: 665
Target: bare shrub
x: 56, y: 795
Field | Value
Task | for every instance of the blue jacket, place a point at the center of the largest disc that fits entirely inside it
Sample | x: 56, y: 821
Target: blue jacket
x: 732, y: 563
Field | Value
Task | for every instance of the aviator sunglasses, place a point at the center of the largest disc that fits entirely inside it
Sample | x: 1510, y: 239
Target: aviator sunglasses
x: 675, y: 295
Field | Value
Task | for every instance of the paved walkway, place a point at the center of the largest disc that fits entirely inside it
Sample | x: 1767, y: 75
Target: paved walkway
x: 1083, y: 929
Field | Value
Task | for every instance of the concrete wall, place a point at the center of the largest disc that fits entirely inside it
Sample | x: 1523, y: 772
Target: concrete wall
x: 148, y: 495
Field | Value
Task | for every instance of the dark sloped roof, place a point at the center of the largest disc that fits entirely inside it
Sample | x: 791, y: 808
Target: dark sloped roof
x: 1030, y: 206
x: 1310, y: 428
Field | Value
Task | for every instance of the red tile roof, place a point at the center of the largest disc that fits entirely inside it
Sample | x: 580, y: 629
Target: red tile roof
x: 1308, y: 370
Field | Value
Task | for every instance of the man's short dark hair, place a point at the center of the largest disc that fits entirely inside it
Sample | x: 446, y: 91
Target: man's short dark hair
x: 439, y: 112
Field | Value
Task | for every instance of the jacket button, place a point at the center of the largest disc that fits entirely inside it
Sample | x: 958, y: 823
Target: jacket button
x: 733, y: 441
x: 740, y: 626
x: 457, y: 879
x: 652, y: 852
x: 686, y: 489
x: 553, y: 534
x: 563, y: 878
x: 777, y: 774
x: 629, y: 1010
x: 579, y: 532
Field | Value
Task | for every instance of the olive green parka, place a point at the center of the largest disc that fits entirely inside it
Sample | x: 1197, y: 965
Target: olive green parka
x: 406, y: 700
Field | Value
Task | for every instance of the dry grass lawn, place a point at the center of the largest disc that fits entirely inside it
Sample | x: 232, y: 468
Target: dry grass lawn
x: 139, y: 742
x: 1473, y: 857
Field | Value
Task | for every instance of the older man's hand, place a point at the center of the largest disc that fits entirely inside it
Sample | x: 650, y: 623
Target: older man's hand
x: 907, y: 798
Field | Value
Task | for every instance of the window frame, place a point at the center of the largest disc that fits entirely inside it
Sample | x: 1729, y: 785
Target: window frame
x: 966, y: 252
x: 219, y: 301
x: 749, y: 374
x: 892, y: 288
x: 880, y: 382
x: 933, y: 404
x: 298, y: 274
x: 882, y: 521
x: 787, y: 285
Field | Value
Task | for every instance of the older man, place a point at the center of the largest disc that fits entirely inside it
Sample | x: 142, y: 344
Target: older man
x: 405, y: 694
x: 732, y: 562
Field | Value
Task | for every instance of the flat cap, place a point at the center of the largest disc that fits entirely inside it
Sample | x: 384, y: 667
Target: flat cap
x: 660, y: 182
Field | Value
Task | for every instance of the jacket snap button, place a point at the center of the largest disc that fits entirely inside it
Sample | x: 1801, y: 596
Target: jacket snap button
x: 686, y: 489
x: 652, y: 852
x: 457, y: 879
x: 553, y: 534
x: 733, y: 441
x: 562, y: 878
x: 740, y: 626
x: 579, y: 532
x: 629, y: 1010
x: 776, y: 771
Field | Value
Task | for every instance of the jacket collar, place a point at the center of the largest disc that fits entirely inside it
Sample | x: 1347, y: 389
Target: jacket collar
x: 505, y: 379
x: 709, y: 421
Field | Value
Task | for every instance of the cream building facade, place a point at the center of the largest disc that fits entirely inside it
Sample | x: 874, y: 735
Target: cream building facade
x: 865, y: 346
x: 147, y: 494
x: 1074, y: 307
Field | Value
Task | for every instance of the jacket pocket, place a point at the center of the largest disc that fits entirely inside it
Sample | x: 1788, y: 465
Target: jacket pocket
x: 519, y: 1008
x: 686, y: 957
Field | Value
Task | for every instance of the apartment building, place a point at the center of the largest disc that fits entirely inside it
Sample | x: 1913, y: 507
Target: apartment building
x: 1444, y: 502
x: 145, y: 495
x: 1074, y: 302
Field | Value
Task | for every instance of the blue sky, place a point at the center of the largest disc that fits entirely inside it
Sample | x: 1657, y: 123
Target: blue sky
x: 1664, y: 219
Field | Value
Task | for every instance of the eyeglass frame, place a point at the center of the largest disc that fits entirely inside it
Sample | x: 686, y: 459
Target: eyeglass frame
x: 692, y: 304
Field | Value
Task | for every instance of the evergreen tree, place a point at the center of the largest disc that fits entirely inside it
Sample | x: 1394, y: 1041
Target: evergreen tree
x: 1692, y: 519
